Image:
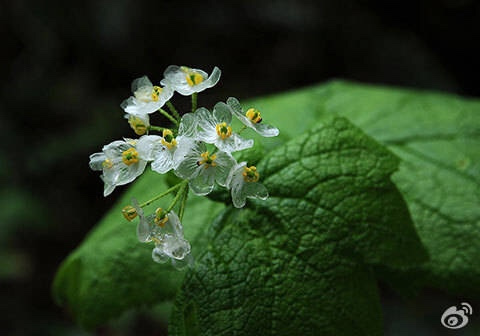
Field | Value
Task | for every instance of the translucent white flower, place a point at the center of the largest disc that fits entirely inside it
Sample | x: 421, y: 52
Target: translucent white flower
x: 140, y: 123
x: 171, y: 244
x: 165, y: 229
x: 251, y: 118
x: 243, y: 182
x: 215, y: 129
x: 186, y: 80
x: 120, y: 163
x: 161, y: 149
x: 203, y: 169
x: 146, y: 98
x: 146, y: 224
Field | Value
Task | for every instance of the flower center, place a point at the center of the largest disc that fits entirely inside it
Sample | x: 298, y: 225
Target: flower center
x: 254, y: 116
x: 129, y: 212
x: 250, y: 174
x: 157, y: 90
x: 107, y: 164
x: 192, y: 77
x: 161, y: 218
x: 137, y: 124
x: 168, y: 139
x: 223, y: 130
x: 130, y: 156
x: 207, y: 160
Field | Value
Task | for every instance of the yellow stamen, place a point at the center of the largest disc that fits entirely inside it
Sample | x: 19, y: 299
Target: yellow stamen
x: 250, y: 174
x: 168, y: 140
x: 138, y: 125
x: 157, y: 90
x: 130, y: 156
x: 208, y: 160
x: 161, y: 218
x: 129, y: 212
x: 107, y: 164
x: 223, y: 130
x: 254, y: 115
x: 192, y: 77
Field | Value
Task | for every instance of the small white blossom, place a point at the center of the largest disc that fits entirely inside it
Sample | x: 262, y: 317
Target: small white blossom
x: 251, y: 118
x: 120, y: 163
x: 215, y: 129
x: 171, y: 244
x: 139, y: 123
x: 243, y: 182
x: 187, y: 81
x: 161, y: 149
x: 146, y: 223
x: 146, y: 98
x: 165, y: 229
x: 203, y: 169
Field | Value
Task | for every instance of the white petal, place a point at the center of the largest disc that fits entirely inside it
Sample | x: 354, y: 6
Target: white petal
x: 233, y: 143
x: 262, y: 129
x: 141, y: 82
x: 265, y: 130
x: 235, y: 182
x: 222, y: 113
x: 207, y: 123
x: 188, y: 126
x: 203, y: 184
x: 188, y: 168
x: 234, y: 174
x: 210, y: 82
x: 148, y: 147
x: 163, y: 161
x: 127, y: 174
x: 175, y: 247
x: 184, y: 263
x: 143, y: 227
x: 115, y: 149
x: 159, y: 256
x: 96, y: 161
x: 107, y: 189
x: 255, y: 190
x: 224, y: 164
x: 185, y: 145
x: 176, y: 77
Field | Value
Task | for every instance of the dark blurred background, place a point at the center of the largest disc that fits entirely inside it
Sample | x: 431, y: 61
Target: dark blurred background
x: 66, y: 67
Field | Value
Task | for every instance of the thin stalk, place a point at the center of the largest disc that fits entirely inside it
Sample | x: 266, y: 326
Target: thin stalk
x: 173, y: 110
x: 156, y: 128
x: 178, y: 195
x: 184, y: 203
x: 165, y: 193
x: 244, y: 127
x: 168, y: 116
x: 194, y: 101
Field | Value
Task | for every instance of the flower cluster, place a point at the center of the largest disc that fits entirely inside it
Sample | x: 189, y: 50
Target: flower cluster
x: 198, y: 148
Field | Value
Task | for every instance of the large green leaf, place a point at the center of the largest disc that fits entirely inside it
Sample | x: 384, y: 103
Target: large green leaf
x: 298, y: 263
x: 111, y: 272
x: 437, y: 136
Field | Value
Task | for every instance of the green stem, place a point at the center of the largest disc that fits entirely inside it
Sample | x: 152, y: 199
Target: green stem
x: 183, y: 204
x: 156, y: 128
x: 168, y: 116
x: 178, y: 195
x: 173, y: 110
x: 165, y: 193
x: 194, y: 101
x: 242, y: 129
